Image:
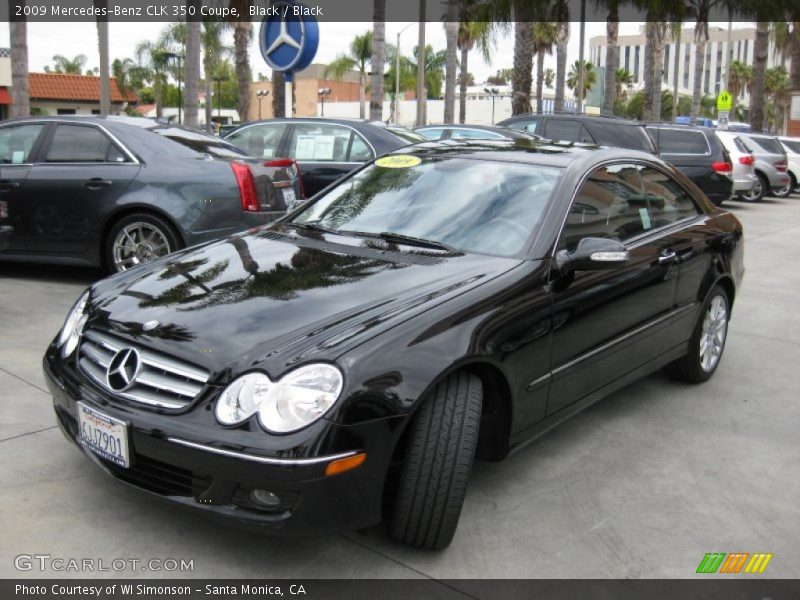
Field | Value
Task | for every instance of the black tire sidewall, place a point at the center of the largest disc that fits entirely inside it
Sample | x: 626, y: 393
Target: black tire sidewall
x: 694, y: 352
x: 164, y: 227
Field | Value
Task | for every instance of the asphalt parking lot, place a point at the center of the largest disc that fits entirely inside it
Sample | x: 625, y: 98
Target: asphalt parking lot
x: 641, y: 485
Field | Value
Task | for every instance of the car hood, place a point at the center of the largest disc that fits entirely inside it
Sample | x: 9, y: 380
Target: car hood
x: 274, y: 298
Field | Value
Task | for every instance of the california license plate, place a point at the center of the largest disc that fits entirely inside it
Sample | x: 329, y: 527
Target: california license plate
x: 289, y: 197
x: 105, y: 436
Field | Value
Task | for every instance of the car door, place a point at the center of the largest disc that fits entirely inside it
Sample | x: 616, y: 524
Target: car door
x: 79, y: 173
x: 18, y: 145
x: 326, y: 152
x: 607, y: 323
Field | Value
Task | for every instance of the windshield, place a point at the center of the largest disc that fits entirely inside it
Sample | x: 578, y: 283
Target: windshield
x: 406, y: 135
x: 200, y: 142
x: 481, y: 206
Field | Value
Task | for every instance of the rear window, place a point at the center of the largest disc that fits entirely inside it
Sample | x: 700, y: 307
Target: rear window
x: 406, y: 135
x: 566, y: 130
x: 793, y: 146
x: 770, y: 145
x: 620, y: 135
x: 676, y: 141
x: 740, y: 145
x: 200, y: 142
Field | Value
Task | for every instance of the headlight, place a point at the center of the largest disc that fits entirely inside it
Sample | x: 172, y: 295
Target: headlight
x: 299, y: 398
x: 73, y: 326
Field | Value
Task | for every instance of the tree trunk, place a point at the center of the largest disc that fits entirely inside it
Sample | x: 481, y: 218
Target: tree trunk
x: 658, y: 67
x: 700, y: 40
x: 451, y: 62
x: 362, y: 93
x: 191, y: 70
x: 794, y: 57
x: 462, y: 98
x: 209, y: 105
x: 18, y: 30
x: 523, y: 67
x: 278, y: 95
x: 158, y: 92
x: 102, y: 48
x: 612, y: 60
x: 378, y: 59
x: 562, y: 38
x: 539, y: 81
x: 241, y: 41
x: 760, y: 53
x: 649, y: 51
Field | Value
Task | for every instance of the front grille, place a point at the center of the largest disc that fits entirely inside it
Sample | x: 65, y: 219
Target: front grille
x: 161, y: 478
x: 162, y: 381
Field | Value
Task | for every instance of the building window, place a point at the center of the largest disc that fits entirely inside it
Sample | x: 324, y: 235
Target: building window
x: 687, y: 57
x: 628, y: 58
x: 666, y: 62
x: 65, y: 111
x: 636, y: 63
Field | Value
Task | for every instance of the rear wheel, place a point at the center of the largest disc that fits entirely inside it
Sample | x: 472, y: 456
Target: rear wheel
x: 759, y: 189
x: 784, y: 191
x: 138, y: 239
x: 707, y: 342
x: 438, y: 459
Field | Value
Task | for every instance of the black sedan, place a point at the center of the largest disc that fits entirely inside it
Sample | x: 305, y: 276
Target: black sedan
x: 472, y: 132
x: 121, y: 191
x: 347, y: 363
x: 325, y: 149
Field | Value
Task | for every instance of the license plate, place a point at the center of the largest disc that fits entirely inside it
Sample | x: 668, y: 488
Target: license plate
x: 289, y: 197
x: 105, y: 436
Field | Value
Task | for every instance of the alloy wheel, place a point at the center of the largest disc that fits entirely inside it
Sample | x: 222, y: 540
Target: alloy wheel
x: 139, y: 243
x: 712, y: 338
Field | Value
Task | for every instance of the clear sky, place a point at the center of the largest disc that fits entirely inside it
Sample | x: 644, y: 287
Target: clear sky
x: 71, y: 39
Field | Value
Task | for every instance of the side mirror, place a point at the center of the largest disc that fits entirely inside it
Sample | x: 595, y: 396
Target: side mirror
x: 593, y: 254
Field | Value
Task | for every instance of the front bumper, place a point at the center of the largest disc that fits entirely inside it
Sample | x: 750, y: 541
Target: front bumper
x: 216, y: 480
x: 744, y: 183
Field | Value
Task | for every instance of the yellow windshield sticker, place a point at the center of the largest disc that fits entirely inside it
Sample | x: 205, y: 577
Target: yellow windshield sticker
x: 398, y: 161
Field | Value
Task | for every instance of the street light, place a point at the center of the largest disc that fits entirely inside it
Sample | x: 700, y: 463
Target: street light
x: 397, y: 74
x: 219, y: 79
x: 493, y: 94
x: 260, y: 94
x: 179, y: 58
x: 322, y: 92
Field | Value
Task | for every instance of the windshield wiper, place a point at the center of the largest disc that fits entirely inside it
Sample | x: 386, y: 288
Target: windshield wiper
x: 311, y: 226
x: 399, y: 238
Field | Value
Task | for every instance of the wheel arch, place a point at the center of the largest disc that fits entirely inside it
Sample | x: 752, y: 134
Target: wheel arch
x: 130, y: 209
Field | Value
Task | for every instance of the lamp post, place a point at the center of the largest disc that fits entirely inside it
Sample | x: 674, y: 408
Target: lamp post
x: 179, y: 58
x: 397, y: 74
x: 322, y: 92
x: 260, y: 94
x: 492, y: 94
x: 219, y: 79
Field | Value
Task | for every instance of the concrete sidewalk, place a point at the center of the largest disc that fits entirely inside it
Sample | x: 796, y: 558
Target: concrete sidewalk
x: 642, y: 484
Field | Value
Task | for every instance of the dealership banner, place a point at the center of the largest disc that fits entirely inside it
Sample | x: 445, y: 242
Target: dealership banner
x: 352, y: 10
x: 401, y: 589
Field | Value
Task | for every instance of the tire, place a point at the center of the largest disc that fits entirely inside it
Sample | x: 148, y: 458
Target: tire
x: 695, y: 366
x: 148, y: 237
x: 785, y: 191
x: 758, y: 191
x: 438, y: 459
x: 793, y: 182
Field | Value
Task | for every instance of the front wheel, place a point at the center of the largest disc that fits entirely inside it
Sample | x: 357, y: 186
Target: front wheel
x: 759, y: 189
x: 437, y: 463
x: 707, y: 342
x: 138, y: 239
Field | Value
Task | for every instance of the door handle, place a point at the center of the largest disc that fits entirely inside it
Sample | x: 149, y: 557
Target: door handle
x: 667, y: 256
x: 96, y: 183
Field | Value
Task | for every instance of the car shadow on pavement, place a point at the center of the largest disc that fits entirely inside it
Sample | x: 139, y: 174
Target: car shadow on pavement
x: 51, y: 273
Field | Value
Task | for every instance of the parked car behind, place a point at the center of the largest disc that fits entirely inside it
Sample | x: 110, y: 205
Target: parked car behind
x: 590, y: 129
x: 699, y: 154
x: 325, y: 149
x: 744, y: 172
x: 6, y: 231
x: 473, y: 132
x: 770, y: 165
x: 449, y: 301
x: 792, y: 147
x: 121, y: 191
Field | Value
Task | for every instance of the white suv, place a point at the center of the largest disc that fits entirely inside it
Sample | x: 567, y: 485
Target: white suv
x: 792, y: 147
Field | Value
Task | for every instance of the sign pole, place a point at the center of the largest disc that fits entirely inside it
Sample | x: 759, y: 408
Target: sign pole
x: 287, y: 97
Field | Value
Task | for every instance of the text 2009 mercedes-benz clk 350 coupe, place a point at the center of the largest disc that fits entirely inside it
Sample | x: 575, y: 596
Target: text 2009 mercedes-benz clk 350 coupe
x: 348, y: 363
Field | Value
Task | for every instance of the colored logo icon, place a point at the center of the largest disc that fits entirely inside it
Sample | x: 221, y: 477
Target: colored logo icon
x: 735, y: 562
x: 288, y: 40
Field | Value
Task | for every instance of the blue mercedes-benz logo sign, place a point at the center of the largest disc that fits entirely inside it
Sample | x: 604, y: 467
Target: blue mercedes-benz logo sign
x: 123, y: 369
x: 288, y: 42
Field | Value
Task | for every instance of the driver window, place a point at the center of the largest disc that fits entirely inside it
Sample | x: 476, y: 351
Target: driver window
x: 611, y: 203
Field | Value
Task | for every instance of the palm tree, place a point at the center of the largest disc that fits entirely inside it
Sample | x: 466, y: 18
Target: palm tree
x: 62, y: 64
x: 469, y: 34
x: 739, y: 77
x: 786, y: 38
x: 655, y: 33
x: 377, y: 60
x: 122, y: 70
x: 702, y: 9
x: 153, y: 66
x: 434, y: 69
x: 102, y: 48
x: 562, y: 38
x: 18, y: 37
x: 623, y: 83
x: 242, y: 32
x: 544, y: 36
x: 612, y: 56
x: 589, y: 78
x: 214, y: 52
x: 776, y: 84
x: 191, y: 65
x: 757, y: 90
x: 451, y: 61
x: 357, y: 59
x: 523, y: 66
x: 278, y: 94
x: 549, y: 77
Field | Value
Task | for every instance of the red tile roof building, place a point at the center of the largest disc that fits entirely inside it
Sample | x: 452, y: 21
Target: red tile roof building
x: 75, y: 88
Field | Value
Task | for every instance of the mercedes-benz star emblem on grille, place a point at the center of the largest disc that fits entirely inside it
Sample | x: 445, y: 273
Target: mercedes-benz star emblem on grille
x: 122, y: 369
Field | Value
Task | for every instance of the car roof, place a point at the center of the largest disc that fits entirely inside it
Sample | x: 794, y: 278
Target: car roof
x: 582, y: 116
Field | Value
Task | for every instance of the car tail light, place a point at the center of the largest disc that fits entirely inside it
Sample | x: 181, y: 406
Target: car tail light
x: 288, y: 162
x: 247, y: 187
x: 747, y: 160
x: 725, y: 168
x: 780, y: 165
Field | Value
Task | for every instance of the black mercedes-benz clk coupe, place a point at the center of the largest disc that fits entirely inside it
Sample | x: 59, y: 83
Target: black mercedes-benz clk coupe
x: 347, y: 364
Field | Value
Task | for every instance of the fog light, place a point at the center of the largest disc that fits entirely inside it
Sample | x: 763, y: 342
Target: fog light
x: 265, y: 499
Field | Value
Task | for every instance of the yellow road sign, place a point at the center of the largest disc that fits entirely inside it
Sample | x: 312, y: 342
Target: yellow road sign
x: 724, y: 100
